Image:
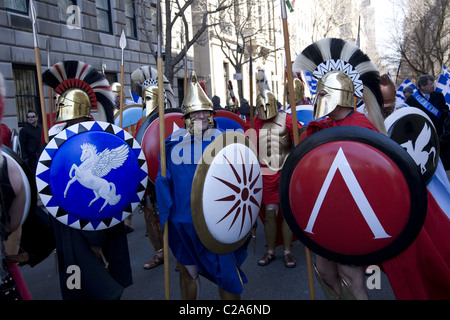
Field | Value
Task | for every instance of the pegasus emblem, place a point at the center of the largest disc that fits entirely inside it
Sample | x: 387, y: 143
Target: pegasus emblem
x: 416, y: 151
x: 94, y: 166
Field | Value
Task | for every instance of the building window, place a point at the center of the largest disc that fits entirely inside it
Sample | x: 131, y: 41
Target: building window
x: 130, y: 20
x: 17, y: 6
x: 103, y: 16
x: 63, y: 5
x: 26, y: 92
x: 111, y: 77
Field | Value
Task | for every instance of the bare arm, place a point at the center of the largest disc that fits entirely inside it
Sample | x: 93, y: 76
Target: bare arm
x: 18, y: 204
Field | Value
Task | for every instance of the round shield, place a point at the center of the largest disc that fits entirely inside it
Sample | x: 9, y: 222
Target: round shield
x: 131, y: 114
x: 352, y: 195
x: 92, y: 175
x: 28, y: 181
x: 229, y: 115
x: 228, y: 124
x: 151, y: 141
x: 412, y: 129
x: 15, y: 142
x: 150, y: 119
x: 305, y: 114
x: 226, y: 193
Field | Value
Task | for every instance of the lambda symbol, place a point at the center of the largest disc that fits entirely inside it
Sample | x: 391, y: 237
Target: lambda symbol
x: 341, y: 163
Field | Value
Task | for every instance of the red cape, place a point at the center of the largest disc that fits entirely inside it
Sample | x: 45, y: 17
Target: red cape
x: 422, y: 271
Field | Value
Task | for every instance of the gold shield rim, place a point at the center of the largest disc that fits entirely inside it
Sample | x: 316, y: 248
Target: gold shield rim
x: 198, y: 218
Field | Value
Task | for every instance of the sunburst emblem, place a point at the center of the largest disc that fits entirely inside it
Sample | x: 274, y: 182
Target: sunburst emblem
x: 244, y: 189
x: 226, y: 192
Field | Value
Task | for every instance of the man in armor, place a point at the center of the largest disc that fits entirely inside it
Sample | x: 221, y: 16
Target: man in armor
x: 116, y: 88
x: 174, y: 202
x: 274, y: 134
x: 145, y: 80
x: 335, y: 101
x: 102, y: 255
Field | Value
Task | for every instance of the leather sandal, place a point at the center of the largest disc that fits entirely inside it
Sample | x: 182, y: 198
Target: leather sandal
x: 289, y: 261
x: 266, y: 259
x: 154, y: 262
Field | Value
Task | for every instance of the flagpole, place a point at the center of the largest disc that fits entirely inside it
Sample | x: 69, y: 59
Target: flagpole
x: 292, y: 103
x: 39, y: 72
x: 162, y: 145
x: 123, y: 44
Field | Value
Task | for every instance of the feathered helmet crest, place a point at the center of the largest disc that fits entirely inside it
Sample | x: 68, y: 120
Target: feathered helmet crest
x: 336, y: 62
x: 144, y: 81
x: 75, y: 76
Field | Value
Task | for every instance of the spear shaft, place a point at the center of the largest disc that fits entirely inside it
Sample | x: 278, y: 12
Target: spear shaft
x: 50, y: 94
x: 292, y: 103
x: 162, y: 144
x: 39, y: 72
x: 123, y: 44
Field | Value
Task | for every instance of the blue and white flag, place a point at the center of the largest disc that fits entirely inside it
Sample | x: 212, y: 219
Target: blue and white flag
x: 445, y: 72
x: 311, y: 82
x: 402, y: 86
x: 136, y: 98
x: 443, y: 85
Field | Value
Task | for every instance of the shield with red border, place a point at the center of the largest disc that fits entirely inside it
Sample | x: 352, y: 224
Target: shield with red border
x: 148, y: 136
x: 352, y: 195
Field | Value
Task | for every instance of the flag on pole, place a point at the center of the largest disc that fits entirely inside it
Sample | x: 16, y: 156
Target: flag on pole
x: 402, y: 86
x: 290, y: 6
x: 445, y: 72
x: 136, y: 98
x: 443, y: 85
x: 311, y: 82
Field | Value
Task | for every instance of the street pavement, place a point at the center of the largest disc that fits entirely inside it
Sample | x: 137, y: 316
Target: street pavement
x: 272, y: 282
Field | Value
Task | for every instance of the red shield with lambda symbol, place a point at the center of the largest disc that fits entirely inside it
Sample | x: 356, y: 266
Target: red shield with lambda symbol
x: 148, y: 136
x: 353, y: 195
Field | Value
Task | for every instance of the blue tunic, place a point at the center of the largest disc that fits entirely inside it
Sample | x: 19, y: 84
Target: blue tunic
x: 173, y: 193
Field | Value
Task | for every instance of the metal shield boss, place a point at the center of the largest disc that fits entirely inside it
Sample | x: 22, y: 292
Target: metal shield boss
x: 353, y: 195
x: 28, y: 181
x: 148, y: 137
x: 92, y: 175
x: 226, y: 193
x: 412, y: 129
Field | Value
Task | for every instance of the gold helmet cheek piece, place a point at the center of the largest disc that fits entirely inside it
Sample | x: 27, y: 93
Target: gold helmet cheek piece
x: 116, y: 88
x: 266, y: 107
x: 299, y: 90
x: 334, y: 89
x: 73, y: 104
x: 150, y: 102
x: 189, y: 122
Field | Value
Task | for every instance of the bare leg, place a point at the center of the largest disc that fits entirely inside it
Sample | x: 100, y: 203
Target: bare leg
x: 355, y: 280
x: 328, y: 270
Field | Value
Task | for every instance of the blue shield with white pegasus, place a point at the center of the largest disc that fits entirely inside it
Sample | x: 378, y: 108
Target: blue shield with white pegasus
x: 92, y: 175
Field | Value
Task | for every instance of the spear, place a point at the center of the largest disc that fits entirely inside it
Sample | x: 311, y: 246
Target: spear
x: 162, y: 145
x: 39, y: 71
x: 123, y: 44
x: 294, y: 123
x: 50, y: 95
x: 251, y: 84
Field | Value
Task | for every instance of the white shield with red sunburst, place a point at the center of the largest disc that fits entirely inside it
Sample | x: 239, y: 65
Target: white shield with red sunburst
x: 226, y: 193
